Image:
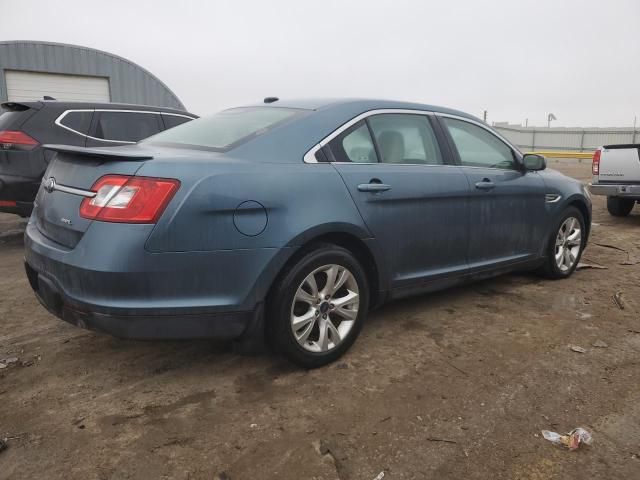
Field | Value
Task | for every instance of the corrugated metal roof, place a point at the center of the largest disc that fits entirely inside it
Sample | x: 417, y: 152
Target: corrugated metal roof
x: 128, y: 82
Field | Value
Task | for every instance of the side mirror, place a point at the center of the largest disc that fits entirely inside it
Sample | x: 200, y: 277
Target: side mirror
x: 534, y: 162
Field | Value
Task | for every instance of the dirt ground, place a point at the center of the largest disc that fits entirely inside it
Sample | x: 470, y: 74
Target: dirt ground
x: 485, y: 367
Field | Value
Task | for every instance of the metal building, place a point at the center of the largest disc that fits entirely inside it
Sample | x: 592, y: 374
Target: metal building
x: 575, y: 139
x: 30, y: 70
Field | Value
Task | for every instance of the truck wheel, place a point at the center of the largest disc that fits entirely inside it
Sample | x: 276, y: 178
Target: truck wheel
x: 620, y: 207
x: 318, y: 306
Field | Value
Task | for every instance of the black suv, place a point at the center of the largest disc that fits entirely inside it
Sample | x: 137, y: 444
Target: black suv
x: 26, y: 126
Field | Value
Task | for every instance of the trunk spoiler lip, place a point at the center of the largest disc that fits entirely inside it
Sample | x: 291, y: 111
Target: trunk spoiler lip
x: 100, y: 152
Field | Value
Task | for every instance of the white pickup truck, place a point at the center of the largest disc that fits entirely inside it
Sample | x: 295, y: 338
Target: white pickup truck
x: 616, y: 174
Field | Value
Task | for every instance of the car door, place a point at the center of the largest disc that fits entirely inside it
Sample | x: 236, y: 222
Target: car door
x: 506, y: 202
x: 412, y: 201
x: 121, y: 127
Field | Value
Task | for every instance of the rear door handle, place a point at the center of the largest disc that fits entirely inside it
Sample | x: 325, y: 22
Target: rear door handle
x: 485, y: 184
x: 373, y: 187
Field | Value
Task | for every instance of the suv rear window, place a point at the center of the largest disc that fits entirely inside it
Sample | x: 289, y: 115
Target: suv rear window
x: 171, y: 121
x: 126, y: 126
x: 226, y: 129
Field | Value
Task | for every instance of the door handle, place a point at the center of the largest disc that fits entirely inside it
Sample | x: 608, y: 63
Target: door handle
x: 373, y: 187
x: 485, y: 184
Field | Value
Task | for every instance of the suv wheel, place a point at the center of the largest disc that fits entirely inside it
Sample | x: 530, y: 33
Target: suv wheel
x: 566, y: 245
x: 318, y: 306
x: 620, y: 207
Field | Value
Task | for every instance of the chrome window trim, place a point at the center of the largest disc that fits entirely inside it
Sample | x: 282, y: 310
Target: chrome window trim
x: 58, y: 120
x: 310, y: 157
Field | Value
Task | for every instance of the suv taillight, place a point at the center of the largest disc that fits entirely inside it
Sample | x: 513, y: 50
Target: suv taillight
x: 595, y: 164
x: 17, y: 139
x: 126, y: 199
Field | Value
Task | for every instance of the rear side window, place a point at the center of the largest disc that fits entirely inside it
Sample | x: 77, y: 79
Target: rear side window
x: 226, y: 129
x: 126, y: 126
x: 171, y: 121
x: 77, y: 121
x: 354, y: 145
x: 405, y: 139
x: 479, y: 148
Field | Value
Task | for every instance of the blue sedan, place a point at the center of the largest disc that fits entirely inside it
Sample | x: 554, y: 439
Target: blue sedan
x: 290, y: 220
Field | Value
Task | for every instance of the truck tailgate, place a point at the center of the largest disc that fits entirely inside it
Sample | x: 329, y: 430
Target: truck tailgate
x: 620, y: 164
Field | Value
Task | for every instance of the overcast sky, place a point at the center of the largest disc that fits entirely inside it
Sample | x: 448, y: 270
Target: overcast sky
x: 517, y: 59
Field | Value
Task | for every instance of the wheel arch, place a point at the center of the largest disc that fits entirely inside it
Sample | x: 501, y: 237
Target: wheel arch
x: 351, y: 239
x: 581, y: 205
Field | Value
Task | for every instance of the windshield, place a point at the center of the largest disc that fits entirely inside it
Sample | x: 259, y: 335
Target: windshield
x: 226, y: 129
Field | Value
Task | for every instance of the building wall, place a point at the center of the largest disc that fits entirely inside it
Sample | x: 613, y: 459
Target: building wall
x: 128, y: 82
x: 561, y: 138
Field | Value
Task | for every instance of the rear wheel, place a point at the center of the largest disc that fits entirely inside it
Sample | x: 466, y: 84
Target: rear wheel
x: 566, y: 245
x: 620, y: 207
x: 318, y: 306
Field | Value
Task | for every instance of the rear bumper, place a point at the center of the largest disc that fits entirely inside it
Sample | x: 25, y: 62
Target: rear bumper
x: 223, y: 326
x: 109, y: 283
x: 615, y: 190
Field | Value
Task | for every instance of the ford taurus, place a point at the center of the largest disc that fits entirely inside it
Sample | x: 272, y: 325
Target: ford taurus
x: 291, y: 220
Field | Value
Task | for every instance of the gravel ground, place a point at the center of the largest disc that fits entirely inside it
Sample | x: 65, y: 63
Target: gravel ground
x: 451, y: 385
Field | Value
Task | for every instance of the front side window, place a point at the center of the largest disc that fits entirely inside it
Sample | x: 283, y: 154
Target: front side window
x: 126, y: 126
x: 227, y: 129
x: 405, y: 138
x: 477, y: 147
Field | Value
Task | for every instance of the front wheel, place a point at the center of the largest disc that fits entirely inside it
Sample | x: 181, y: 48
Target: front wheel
x: 318, y: 306
x: 566, y: 245
x: 620, y: 207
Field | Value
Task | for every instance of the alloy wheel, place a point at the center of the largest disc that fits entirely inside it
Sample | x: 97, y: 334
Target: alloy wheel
x: 325, y: 308
x: 568, y: 243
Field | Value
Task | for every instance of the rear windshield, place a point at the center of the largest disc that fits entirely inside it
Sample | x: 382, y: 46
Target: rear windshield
x: 225, y: 130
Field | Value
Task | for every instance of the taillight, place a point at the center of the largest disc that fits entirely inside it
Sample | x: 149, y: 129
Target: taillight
x: 17, y: 139
x: 8, y: 203
x: 595, y: 164
x: 125, y: 199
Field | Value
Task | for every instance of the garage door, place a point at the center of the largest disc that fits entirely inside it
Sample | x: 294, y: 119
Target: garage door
x: 24, y: 86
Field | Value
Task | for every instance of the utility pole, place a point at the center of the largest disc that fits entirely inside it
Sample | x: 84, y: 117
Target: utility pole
x: 484, y: 116
x: 526, y: 122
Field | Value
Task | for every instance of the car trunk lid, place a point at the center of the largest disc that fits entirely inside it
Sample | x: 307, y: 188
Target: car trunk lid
x: 68, y: 181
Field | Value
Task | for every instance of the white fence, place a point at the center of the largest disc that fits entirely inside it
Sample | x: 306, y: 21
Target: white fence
x: 561, y: 138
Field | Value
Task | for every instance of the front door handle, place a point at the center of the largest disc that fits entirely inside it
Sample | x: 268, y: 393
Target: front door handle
x: 485, y: 184
x: 373, y: 187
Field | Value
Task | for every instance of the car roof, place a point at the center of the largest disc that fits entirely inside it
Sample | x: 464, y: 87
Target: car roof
x: 66, y: 105
x: 363, y: 104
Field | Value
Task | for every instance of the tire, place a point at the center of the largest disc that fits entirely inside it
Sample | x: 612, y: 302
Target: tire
x: 620, y: 207
x: 293, y: 297
x: 552, y: 268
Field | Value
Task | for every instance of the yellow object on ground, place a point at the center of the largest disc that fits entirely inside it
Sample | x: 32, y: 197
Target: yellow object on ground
x: 563, y: 154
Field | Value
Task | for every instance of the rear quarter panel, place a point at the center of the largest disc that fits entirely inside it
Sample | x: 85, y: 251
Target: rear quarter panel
x: 288, y: 203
